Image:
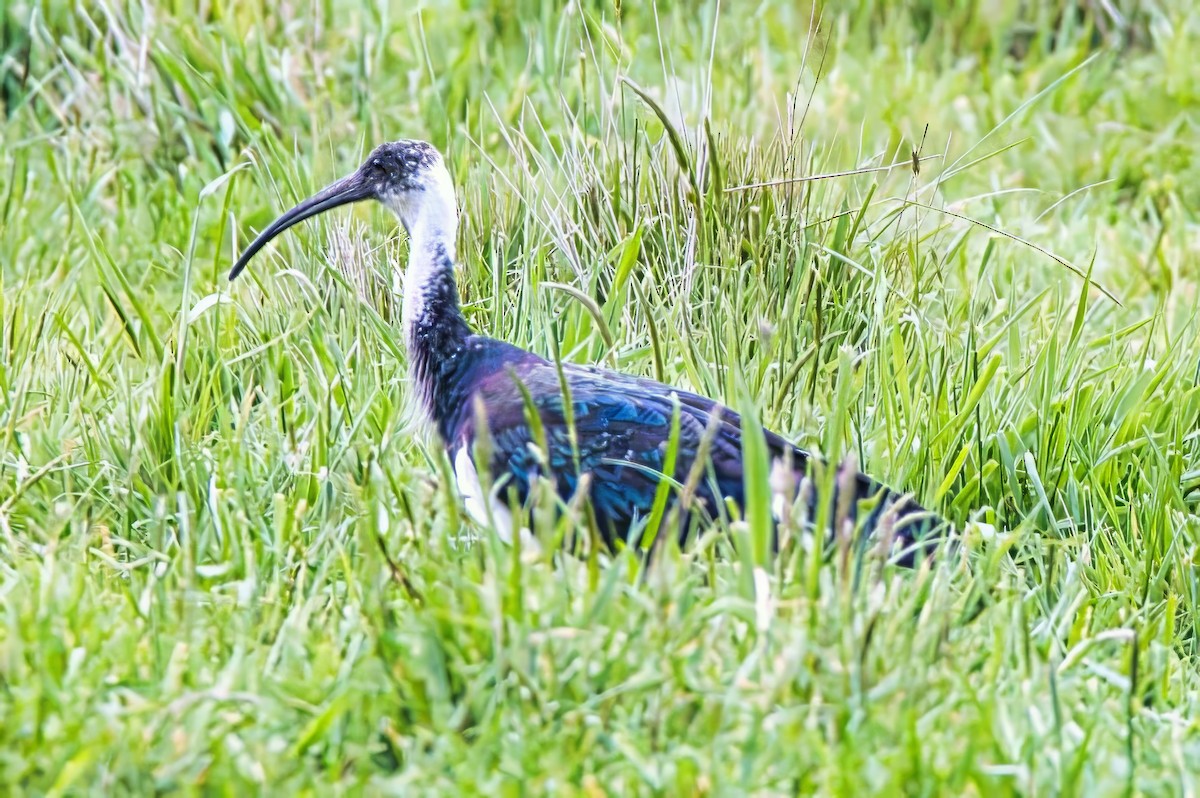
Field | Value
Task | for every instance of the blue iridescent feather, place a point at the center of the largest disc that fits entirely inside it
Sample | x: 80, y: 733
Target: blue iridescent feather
x: 623, y: 428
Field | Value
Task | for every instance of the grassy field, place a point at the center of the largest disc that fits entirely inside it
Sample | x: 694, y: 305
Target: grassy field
x: 232, y: 563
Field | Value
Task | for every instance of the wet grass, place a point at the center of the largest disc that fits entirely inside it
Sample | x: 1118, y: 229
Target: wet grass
x: 230, y: 560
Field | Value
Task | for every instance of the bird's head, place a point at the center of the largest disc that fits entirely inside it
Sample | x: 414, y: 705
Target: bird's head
x: 407, y: 176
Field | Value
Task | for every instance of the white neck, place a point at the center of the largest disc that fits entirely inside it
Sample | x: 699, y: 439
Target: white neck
x: 426, y: 261
x: 431, y: 218
x: 434, y: 328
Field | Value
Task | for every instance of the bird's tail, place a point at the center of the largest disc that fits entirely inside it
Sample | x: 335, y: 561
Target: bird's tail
x: 865, y: 514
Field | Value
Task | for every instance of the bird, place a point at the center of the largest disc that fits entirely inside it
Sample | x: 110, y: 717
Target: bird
x: 510, y: 419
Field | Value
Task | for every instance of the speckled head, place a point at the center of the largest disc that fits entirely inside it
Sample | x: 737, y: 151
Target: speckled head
x: 408, y: 176
x: 400, y: 166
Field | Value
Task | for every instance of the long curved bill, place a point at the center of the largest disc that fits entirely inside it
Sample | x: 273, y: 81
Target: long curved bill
x: 349, y: 189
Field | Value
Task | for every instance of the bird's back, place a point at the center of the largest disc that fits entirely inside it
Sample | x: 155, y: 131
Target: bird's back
x: 624, y: 437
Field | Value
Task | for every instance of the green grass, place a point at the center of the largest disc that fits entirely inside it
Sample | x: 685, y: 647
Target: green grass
x: 231, y: 562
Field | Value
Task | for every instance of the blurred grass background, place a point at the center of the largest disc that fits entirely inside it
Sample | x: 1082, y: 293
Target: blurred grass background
x: 229, y: 561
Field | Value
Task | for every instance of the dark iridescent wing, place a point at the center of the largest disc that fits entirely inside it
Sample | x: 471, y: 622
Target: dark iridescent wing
x: 873, y: 505
x: 622, y: 438
x: 623, y: 430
